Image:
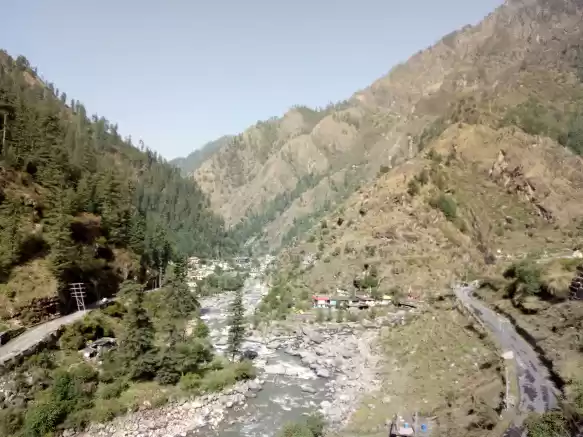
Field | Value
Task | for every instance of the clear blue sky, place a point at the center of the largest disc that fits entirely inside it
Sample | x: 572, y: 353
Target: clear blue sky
x: 179, y: 73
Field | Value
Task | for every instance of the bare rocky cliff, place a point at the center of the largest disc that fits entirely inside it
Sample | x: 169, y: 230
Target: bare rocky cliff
x: 314, y: 159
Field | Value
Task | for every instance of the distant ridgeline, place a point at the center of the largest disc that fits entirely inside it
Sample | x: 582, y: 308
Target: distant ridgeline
x: 80, y: 204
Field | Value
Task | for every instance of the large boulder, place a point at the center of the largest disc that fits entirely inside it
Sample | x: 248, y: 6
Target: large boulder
x: 249, y: 354
x: 313, y: 336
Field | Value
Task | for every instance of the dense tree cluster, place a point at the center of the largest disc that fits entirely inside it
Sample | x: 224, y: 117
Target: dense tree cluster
x: 73, y: 190
x: 161, y: 342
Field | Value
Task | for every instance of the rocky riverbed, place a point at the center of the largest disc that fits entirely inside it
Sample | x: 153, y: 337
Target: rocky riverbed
x: 302, y: 369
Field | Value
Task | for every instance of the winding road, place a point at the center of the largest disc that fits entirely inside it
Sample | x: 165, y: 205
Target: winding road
x: 537, y: 391
x: 33, y: 336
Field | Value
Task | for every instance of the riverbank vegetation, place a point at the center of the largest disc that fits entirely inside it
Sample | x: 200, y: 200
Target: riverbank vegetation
x: 220, y: 282
x: 313, y: 426
x: 160, y: 351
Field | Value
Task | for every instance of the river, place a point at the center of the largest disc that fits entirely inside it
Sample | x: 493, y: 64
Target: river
x: 284, y: 397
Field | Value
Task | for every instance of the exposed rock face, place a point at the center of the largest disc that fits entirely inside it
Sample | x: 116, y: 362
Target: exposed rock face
x: 40, y: 309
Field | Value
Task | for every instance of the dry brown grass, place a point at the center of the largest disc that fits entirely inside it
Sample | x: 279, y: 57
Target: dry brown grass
x: 415, y: 246
x: 26, y: 282
x: 557, y: 324
x: 438, y: 367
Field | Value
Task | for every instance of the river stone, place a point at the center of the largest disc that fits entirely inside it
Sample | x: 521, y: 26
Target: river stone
x: 313, y: 336
x: 322, y: 373
x: 308, y: 389
x: 254, y: 386
x: 347, y: 354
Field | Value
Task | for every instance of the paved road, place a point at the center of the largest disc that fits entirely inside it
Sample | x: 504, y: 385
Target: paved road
x: 537, y: 391
x: 35, y: 335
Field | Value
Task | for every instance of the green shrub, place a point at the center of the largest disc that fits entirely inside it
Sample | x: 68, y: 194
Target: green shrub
x: 42, y: 419
x: 434, y: 156
x: 89, y: 329
x: 106, y: 410
x: 113, y: 390
x: 316, y: 424
x: 217, y: 380
x: 245, y: 370
x: 11, y: 420
x: 340, y: 316
x: 383, y: 169
x: 550, y: 424
x: 84, y: 373
x: 190, y: 382
x: 527, y: 277
x: 320, y: 315
x: 78, y: 420
x: 295, y: 430
x: 423, y: 177
x: 446, y: 204
x: 413, y: 188
x: 115, y: 309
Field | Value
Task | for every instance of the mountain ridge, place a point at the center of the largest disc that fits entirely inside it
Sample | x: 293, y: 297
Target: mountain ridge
x: 385, y: 123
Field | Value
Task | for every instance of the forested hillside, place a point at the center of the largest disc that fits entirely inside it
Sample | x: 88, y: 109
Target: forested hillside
x: 81, y: 204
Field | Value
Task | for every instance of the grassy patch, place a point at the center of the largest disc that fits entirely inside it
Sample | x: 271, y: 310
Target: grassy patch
x: 435, y: 366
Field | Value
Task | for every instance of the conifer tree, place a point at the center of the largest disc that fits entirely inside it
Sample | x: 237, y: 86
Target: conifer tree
x: 137, y: 349
x: 10, y: 234
x: 236, y: 325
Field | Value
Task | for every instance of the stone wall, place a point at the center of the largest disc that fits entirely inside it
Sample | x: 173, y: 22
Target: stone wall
x: 40, y: 309
x: 8, y: 335
x: 49, y: 341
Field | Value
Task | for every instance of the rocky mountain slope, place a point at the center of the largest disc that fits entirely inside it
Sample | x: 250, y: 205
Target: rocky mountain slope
x: 477, y: 197
x: 286, y: 172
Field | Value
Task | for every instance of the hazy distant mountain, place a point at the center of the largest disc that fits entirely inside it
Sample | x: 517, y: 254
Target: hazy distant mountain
x: 193, y: 161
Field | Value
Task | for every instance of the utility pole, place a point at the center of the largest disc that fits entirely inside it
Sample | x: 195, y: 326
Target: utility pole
x: 78, y: 292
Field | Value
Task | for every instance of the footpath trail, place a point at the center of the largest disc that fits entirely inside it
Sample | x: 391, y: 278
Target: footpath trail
x: 537, y: 391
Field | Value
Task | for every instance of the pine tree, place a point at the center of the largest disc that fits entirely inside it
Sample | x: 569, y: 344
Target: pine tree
x: 236, y: 325
x: 10, y: 234
x: 57, y: 231
x: 181, y: 303
x: 137, y: 349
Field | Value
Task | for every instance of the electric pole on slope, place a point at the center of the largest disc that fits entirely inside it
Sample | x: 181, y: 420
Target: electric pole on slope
x: 78, y: 292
